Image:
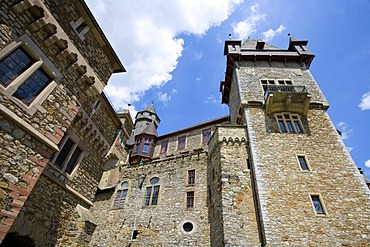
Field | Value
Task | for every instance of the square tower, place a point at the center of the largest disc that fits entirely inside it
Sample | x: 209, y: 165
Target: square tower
x: 306, y: 187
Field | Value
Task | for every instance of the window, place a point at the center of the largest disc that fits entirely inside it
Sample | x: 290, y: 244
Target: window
x: 26, y: 74
x: 70, y: 154
x: 96, y: 107
x: 164, y: 146
x: 317, y: 204
x: 181, y: 142
x: 303, y: 162
x: 121, y: 194
x: 267, y: 82
x: 289, y: 123
x: 119, y: 201
x: 191, y: 177
x: 190, y: 199
x: 152, y: 193
x: 80, y: 27
x: 146, y: 145
x: 187, y: 226
x: 206, y: 135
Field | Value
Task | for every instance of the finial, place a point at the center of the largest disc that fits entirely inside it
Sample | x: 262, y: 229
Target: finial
x: 230, y: 36
x: 289, y: 35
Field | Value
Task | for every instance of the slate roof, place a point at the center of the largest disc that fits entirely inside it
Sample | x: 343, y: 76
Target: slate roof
x: 250, y: 44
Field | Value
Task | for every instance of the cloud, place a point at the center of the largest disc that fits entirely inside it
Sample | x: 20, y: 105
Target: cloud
x: 350, y: 149
x: 248, y: 27
x: 270, y: 34
x: 163, y: 97
x: 198, y: 55
x: 365, y: 102
x: 367, y: 163
x: 343, y: 128
x: 198, y: 79
x: 174, y: 91
x: 212, y: 100
x: 145, y: 33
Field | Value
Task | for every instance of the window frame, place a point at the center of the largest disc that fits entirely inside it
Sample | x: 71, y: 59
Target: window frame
x: 289, y: 124
x: 206, y: 133
x: 180, y: 140
x: 164, y: 144
x: 76, y: 26
x: 188, y: 178
x: 119, y: 200
x: 41, y: 62
x: 268, y: 81
x: 77, y: 144
x: 148, y: 197
x: 190, y: 196
x: 323, y: 212
x: 306, y: 163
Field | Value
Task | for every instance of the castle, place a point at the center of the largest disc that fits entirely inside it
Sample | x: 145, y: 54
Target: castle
x: 76, y: 173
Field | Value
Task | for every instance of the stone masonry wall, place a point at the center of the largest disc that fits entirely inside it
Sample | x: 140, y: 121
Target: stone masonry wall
x: 249, y: 75
x: 284, y: 189
x: 160, y: 224
x: 232, y: 187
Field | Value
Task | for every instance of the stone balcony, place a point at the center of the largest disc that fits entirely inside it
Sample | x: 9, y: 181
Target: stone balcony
x: 287, y: 98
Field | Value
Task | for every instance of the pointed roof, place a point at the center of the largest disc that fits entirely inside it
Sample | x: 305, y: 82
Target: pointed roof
x: 150, y: 108
x: 150, y: 130
x: 251, y: 44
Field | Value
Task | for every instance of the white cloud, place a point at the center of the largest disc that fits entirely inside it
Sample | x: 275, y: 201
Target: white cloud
x: 350, y: 149
x: 163, y: 97
x: 367, y: 163
x: 174, y: 91
x: 248, y: 27
x: 365, y: 102
x: 144, y: 35
x: 198, y: 79
x: 212, y: 99
x: 343, y: 128
x: 270, y: 34
x: 198, y: 55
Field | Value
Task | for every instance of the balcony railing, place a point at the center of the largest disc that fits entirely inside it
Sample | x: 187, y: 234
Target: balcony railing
x: 284, y: 89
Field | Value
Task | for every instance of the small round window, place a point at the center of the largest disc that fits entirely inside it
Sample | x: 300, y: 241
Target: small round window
x: 187, y: 226
x: 124, y: 185
x: 154, y: 180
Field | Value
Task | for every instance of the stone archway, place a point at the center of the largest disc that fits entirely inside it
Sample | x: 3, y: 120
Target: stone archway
x: 15, y: 240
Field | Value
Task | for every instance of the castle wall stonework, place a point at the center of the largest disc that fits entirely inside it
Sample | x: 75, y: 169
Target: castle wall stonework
x: 285, y: 189
x: 160, y: 224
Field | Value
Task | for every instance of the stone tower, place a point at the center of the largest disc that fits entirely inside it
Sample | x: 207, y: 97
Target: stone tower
x: 143, y: 138
x: 305, y: 186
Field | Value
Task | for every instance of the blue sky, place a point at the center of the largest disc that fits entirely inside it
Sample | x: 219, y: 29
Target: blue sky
x: 173, y: 53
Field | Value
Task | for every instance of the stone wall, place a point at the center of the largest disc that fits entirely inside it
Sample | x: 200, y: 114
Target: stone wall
x: 284, y: 189
x: 30, y: 135
x: 232, y: 208
x: 160, y: 224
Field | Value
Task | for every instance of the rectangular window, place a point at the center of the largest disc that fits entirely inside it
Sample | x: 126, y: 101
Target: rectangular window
x: 69, y: 156
x: 120, y: 198
x: 317, y: 204
x: 191, y: 177
x: 164, y: 146
x: 26, y: 75
x: 181, y: 142
x: 190, y: 199
x: 14, y: 65
x: 151, y: 195
x: 206, y: 135
x: 289, y: 123
x: 281, y: 82
x: 303, y: 163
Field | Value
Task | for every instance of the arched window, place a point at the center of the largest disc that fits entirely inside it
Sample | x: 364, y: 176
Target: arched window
x: 121, y: 194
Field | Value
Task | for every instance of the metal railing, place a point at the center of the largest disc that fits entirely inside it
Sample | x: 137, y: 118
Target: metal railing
x: 284, y: 89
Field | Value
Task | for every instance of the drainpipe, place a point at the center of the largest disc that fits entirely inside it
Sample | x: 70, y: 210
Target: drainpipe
x: 134, y: 231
